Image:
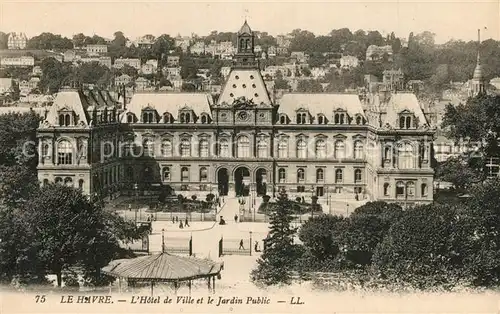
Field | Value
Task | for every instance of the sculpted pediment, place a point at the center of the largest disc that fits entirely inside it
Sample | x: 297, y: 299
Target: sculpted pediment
x: 340, y: 136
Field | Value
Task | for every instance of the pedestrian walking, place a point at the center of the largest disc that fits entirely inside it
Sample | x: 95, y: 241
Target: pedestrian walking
x: 256, y: 247
x: 241, y: 245
x: 176, y: 219
x: 129, y: 207
x: 180, y: 225
x: 236, y: 218
x: 173, y: 220
x: 186, y: 223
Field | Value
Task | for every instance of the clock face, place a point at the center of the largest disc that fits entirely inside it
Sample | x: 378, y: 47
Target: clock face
x: 262, y: 115
x: 243, y: 116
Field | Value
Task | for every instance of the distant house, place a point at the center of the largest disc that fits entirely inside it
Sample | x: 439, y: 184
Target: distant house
x: 147, y: 69
x: 94, y: 50
x: 69, y: 55
x: 17, y: 41
x: 142, y: 83
x: 375, y: 53
x: 146, y: 41
x: 495, y: 82
x: 153, y: 62
x: 300, y: 56
x: 347, y: 62
x: 172, y: 72
x: 271, y: 51
x: 224, y: 71
x: 37, y: 71
x: 5, y: 85
x: 197, y: 48
x: 173, y: 61
x: 102, y: 60
x: 135, y: 63
x: 123, y: 79
x: 22, y: 61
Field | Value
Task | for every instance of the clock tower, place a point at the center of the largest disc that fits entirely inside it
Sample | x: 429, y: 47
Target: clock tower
x: 245, y: 57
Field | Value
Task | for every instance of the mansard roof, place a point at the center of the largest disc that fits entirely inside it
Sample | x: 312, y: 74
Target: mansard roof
x: 74, y: 100
x: 168, y: 102
x: 321, y: 103
x: 246, y: 83
x: 399, y: 102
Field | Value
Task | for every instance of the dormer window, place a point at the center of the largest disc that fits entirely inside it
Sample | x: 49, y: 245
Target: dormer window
x: 167, y: 118
x: 283, y: 119
x: 205, y: 119
x: 301, y: 118
x: 359, y: 120
x: 186, y: 117
x: 405, y: 121
x: 322, y: 119
x: 148, y: 116
x: 66, y: 118
x: 130, y: 117
x: 340, y: 118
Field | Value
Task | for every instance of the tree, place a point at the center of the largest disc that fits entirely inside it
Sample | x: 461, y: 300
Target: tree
x: 61, y: 229
x: 279, y: 82
x: 54, y: 74
x: 280, y: 254
x: 459, y: 172
x: 309, y: 86
x: 120, y: 40
x: 49, y: 41
x: 79, y: 40
x: 3, y: 40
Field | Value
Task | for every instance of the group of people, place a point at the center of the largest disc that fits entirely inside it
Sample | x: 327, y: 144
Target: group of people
x: 181, y: 226
x: 256, y: 246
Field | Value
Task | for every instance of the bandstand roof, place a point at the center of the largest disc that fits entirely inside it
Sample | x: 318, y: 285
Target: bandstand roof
x: 162, y: 267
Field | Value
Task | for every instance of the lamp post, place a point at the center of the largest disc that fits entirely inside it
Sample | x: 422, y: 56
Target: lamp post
x: 136, y: 204
x: 312, y: 197
x: 250, y: 243
x: 162, y: 240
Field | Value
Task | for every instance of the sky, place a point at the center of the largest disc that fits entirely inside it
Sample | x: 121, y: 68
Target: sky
x: 447, y: 19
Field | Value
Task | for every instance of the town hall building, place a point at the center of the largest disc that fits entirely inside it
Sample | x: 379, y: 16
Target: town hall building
x: 376, y: 147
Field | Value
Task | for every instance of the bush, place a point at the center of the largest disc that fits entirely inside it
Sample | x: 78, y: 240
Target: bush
x: 210, y: 197
x: 266, y: 198
x: 194, y: 197
x: 180, y: 198
x: 298, y: 199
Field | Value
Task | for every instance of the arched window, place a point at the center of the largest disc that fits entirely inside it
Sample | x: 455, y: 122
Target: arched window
x: 358, y: 150
x: 301, y: 175
x: 339, y: 150
x: 339, y: 118
x: 67, y: 120
x: 281, y: 175
x: 410, y: 188
x: 224, y: 148
x: 321, y: 119
x: 320, y: 175
x: 320, y: 149
x: 184, y: 174
x: 203, y: 174
x: 400, y: 189
x: 359, y: 120
x: 243, y: 147
x: 402, y: 123
x: 405, y: 156
x: 167, y: 118
x: 301, y: 118
x: 80, y: 184
x: 68, y: 181
x: 283, y: 119
x: 45, y: 150
x: 283, y: 148
x: 204, y: 119
x: 130, y: 118
x: 405, y: 122
x: 61, y: 120
x: 301, y: 149
x: 185, y: 147
x: 262, y: 149
x: 166, y: 174
x: 64, y: 153
x: 204, y: 148
x: 357, y: 176
x: 166, y: 148
x: 339, y: 176
x: 408, y: 122
x: 58, y: 180
x: 386, y: 189
x: 183, y: 118
x: 148, y: 147
x: 423, y: 189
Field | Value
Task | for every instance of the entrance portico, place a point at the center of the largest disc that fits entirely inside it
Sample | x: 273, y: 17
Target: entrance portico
x: 242, y: 180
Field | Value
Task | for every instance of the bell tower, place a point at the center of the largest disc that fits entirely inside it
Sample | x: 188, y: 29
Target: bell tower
x: 245, y: 57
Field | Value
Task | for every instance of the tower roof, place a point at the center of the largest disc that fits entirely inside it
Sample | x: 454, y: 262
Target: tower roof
x: 245, y: 29
x: 478, y: 71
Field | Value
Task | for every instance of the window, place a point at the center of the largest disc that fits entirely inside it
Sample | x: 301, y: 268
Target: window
x: 283, y: 148
x: 301, y: 149
x: 282, y: 119
x: 166, y: 148
x: 185, y: 147
x: 166, y: 174
x: 148, y: 147
x: 58, y: 180
x: 400, y: 189
x: 301, y: 118
x: 320, y: 175
x: 358, y: 150
x: 339, y: 149
x: 167, y: 118
x: 357, y: 175
x: 405, y: 156
x: 320, y: 191
x: 184, y: 174
x: 45, y: 150
x: 64, y: 153
x: 359, y: 120
x: 405, y: 122
x: 281, y: 175
x: 68, y: 181
x: 65, y: 119
x: 204, y: 119
x: 423, y: 189
x: 386, y: 189
x: 243, y: 147
x: 338, y: 176
x: 339, y: 118
x: 185, y: 117
x: 204, y: 148
x: 262, y: 149
x: 410, y: 188
x: 203, y: 174
x: 301, y: 175
x: 321, y: 119
x: 130, y: 118
x: 224, y: 148
x: 320, y: 149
